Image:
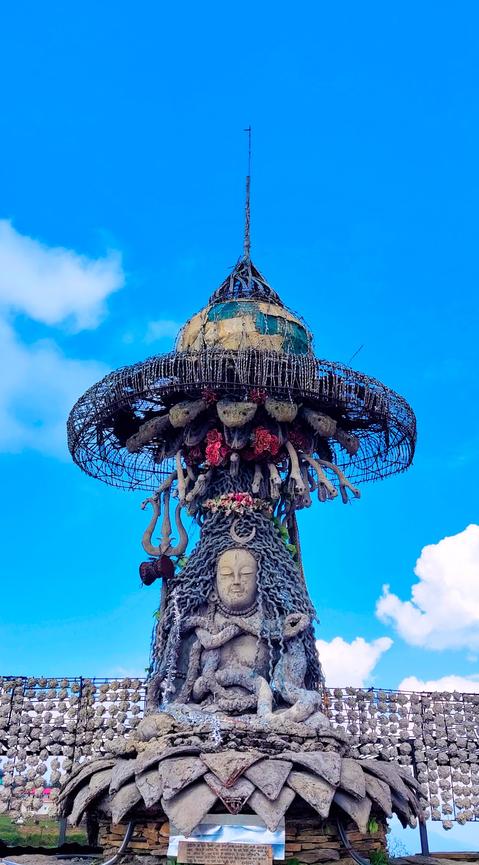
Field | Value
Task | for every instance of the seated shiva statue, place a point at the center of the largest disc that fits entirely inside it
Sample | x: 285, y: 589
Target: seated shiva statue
x: 236, y: 634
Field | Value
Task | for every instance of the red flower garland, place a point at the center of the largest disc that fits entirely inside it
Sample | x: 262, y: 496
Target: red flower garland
x: 265, y: 442
x: 216, y: 450
x: 300, y: 439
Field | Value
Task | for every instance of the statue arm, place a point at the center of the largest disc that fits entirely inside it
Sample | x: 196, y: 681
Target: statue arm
x: 288, y: 681
x: 294, y: 624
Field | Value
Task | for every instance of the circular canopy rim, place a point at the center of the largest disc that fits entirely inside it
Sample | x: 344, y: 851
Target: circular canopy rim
x: 381, y: 418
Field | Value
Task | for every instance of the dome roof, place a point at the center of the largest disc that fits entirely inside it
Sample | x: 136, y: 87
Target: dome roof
x: 245, y: 312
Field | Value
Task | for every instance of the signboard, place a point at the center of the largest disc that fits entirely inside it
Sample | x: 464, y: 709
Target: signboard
x: 230, y: 831
x: 216, y: 853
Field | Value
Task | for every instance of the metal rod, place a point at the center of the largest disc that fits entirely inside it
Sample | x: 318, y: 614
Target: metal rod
x: 123, y: 846
x: 422, y: 823
x: 347, y: 844
x: 62, y: 831
x: 423, y: 838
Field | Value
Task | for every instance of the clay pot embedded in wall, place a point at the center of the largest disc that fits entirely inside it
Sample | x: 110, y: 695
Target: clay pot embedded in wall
x: 321, y: 423
x: 348, y: 441
x: 184, y: 412
x: 283, y: 411
x: 236, y: 414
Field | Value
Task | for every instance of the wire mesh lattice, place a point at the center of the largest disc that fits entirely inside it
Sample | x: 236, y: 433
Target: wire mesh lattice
x: 111, y: 410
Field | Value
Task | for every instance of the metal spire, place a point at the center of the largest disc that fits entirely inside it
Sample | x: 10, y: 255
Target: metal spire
x: 247, y: 237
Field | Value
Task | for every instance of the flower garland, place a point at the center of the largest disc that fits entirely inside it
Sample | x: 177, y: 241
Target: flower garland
x: 216, y: 450
x: 237, y: 503
x: 300, y: 439
x: 263, y: 444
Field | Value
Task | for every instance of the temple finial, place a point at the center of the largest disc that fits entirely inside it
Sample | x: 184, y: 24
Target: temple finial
x: 247, y: 237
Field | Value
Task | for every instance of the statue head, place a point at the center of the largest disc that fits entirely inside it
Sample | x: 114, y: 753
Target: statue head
x: 236, y: 572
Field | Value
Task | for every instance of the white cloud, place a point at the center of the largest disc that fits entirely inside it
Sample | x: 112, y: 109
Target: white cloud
x: 162, y: 328
x: 38, y: 387
x: 38, y: 383
x: 350, y: 663
x: 462, y: 684
x: 443, y: 612
x: 53, y: 284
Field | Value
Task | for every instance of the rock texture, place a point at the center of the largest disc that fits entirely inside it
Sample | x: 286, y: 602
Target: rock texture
x: 309, y: 840
x: 185, y: 781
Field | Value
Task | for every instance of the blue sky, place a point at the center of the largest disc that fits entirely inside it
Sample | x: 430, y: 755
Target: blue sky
x: 121, y: 142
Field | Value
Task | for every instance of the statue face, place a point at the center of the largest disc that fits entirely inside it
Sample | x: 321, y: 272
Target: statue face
x: 236, y: 579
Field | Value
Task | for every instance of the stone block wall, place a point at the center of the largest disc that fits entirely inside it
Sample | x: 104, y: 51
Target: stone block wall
x: 308, y: 839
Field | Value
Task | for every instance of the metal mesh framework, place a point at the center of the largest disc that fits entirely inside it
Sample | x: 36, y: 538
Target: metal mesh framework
x: 114, y: 408
x: 245, y: 281
x: 48, y: 726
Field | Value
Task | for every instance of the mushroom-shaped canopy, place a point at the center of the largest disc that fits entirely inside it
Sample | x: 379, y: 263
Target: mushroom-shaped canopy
x: 245, y: 342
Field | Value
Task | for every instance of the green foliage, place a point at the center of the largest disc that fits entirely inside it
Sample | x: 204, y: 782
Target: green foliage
x: 182, y: 561
x: 373, y: 826
x: 292, y: 861
x: 36, y: 832
x: 379, y: 857
x: 284, y: 534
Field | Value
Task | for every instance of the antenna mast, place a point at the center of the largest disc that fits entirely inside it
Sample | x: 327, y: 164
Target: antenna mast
x: 247, y: 236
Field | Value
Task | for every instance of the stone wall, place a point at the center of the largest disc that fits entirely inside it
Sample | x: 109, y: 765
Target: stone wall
x: 48, y: 725
x: 308, y: 839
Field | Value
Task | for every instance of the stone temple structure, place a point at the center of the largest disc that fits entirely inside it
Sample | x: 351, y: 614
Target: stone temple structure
x: 238, y: 429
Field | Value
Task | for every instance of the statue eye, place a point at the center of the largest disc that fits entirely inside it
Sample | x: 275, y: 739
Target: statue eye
x: 226, y: 572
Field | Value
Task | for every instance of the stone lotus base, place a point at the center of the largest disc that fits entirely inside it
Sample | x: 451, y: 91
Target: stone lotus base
x: 308, y: 839
x: 232, y: 765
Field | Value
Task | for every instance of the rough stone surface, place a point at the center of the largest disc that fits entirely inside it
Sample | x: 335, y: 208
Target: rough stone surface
x: 150, y: 785
x: 326, y: 764
x: 271, y: 812
x: 187, y: 808
x: 313, y: 856
x: 122, y: 771
x: 229, y: 765
x: 126, y: 798
x: 83, y: 773
x: 316, y: 791
x: 233, y: 797
x: 157, y: 752
x: 379, y: 792
x: 352, y: 778
x: 269, y: 776
x: 79, y: 805
x: 387, y: 772
x: 402, y: 809
x: 358, y: 809
x: 98, y: 783
x: 178, y: 772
